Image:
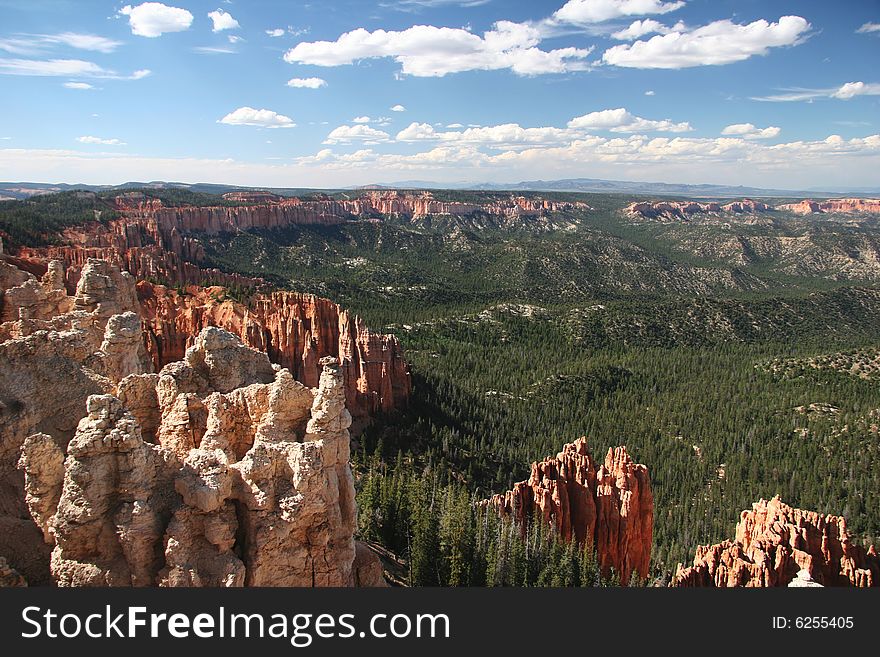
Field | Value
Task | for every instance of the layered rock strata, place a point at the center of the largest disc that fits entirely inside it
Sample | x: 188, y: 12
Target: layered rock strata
x: 683, y: 210
x: 609, y: 506
x: 777, y: 545
x: 843, y: 205
x: 295, y: 330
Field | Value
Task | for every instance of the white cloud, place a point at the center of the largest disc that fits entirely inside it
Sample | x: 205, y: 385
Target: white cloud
x: 78, y: 85
x: 428, y: 51
x: 453, y: 126
x: 233, y: 38
x: 832, y: 161
x: 721, y: 42
x: 648, y: 26
x: 153, y: 19
x: 98, y: 140
x: 869, y: 28
x: 650, y: 92
x: 34, y: 44
x: 398, y: 108
x: 597, y: 11
x: 65, y: 68
x: 844, y: 92
x: 361, y: 119
x: 222, y: 21
x: 749, y: 131
x: 852, y: 89
x: 349, y: 133
x: 306, y: 83
x: 214, y: 50
x: 262, y: 118
x: 621, y: 120
x: 278, y: 32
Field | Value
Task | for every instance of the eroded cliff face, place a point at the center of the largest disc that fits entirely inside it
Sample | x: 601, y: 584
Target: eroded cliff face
x: 219, y: 470
x: 55, y: 351
x: 843, y: 205
x: 295, y: 330
x: 609, y: 505
x: 684, y: 210
x: 247, y: 482
x: 778, y: 545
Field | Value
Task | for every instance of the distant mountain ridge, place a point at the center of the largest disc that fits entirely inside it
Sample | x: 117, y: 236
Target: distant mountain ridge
x: 21, y: 190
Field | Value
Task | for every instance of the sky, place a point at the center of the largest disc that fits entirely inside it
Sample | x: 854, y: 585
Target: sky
x: 275, y: 93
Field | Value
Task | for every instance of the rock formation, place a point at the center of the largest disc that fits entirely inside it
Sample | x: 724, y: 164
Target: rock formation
x: 842, y: 205
x: 247, y: 482
x: 610, y: 506
x: 684, y: 210
x: 220, y: 470
x: 52, y: 357
x: 295, y: 330
x: 774, y: 543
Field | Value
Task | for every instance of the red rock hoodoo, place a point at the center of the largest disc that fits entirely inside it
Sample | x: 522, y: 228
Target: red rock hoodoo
x: 610, y: 506
x: 295, y: 330
x: 774, y: 542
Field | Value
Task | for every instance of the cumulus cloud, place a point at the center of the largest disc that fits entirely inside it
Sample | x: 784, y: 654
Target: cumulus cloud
x: 306, y: 83
x: 64, y: 67
x: 261, y: 118
x: 361, y: 119
x: 621, y: 120
x: 869, y: 28
x: 222, y: 21
x: 749, y: 131
x: 78, y: 85
x: 846, y: 91
x: 398, y: 108
x: 348, y: 133
x: 721, y: 42
x: 153, y: 19
x: 428, y: 51
x: 598, y: 11
x: 638, y: 29
x: 102, y: 142
x: 277, y: 32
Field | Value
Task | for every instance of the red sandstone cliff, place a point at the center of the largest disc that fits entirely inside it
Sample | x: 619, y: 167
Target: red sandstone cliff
x: 295, y: 330
x: 610, y: 506
x: 774, y: 542
x: 845, y: 205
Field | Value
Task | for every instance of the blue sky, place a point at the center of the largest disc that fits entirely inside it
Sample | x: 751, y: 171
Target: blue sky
x: 328, y: 94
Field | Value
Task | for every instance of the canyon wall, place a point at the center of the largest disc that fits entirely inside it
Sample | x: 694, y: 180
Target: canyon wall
x: 609, y: 506
x: 295, y: 330
x: 777, y: 545
x: 682, y: 210
x: 844, y: 205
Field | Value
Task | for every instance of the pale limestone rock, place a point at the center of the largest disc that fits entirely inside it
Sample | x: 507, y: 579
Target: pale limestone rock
x: 123, y: 347
x: 43, y: 464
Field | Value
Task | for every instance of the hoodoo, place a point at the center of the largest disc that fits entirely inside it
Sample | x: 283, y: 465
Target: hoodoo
x: 609, y: 506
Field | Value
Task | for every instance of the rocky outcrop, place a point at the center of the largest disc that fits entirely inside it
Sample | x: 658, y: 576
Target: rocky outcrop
x: 774, y: 543
x: 668, y: 211
x: 9, y: 576
x: 241, y: 479
x: 842, y: 205
x: 295, y: 330
x: 49, y: 365
x: 609, y: 506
